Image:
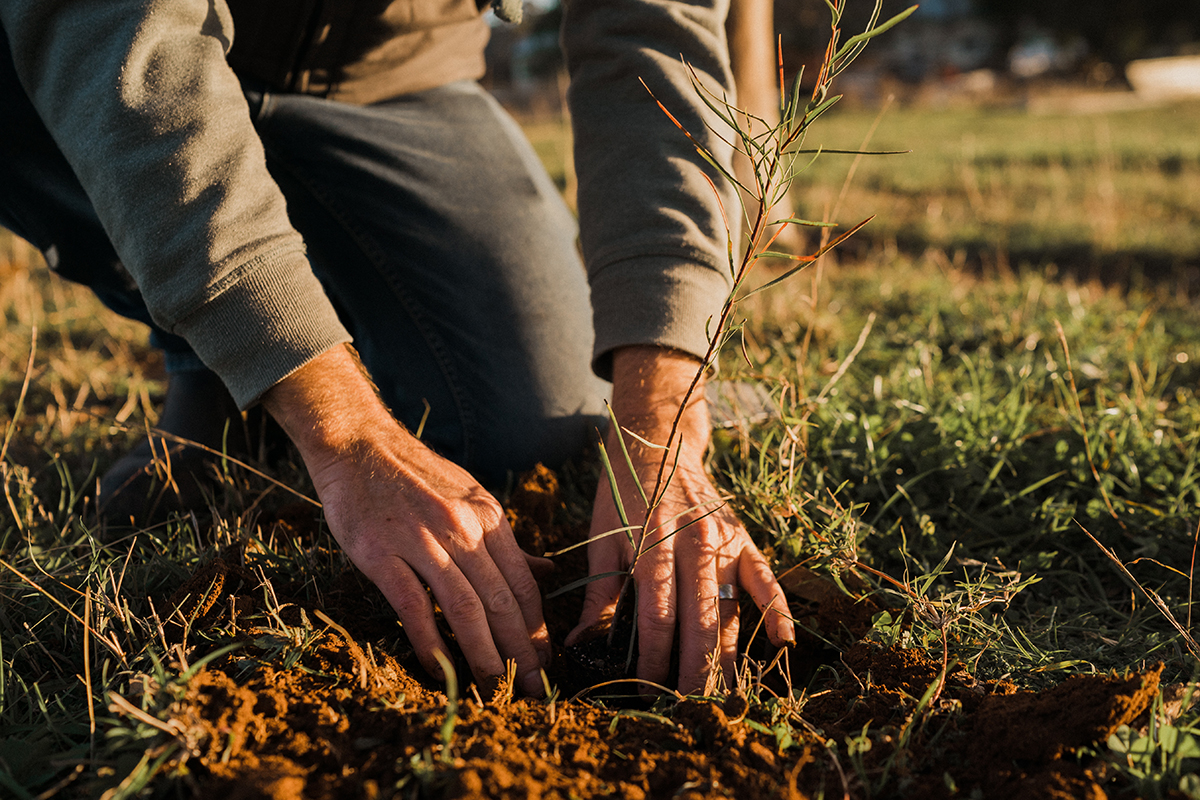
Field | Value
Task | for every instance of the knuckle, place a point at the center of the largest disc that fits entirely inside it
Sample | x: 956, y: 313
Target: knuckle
x: 409, y: 604
x: 500, y: 602
x: 658, y: 617
x: 464, y: 605
x: 486, y: 509
x: 524, y: 588
x: 491, y: 516
x: 457, y: 529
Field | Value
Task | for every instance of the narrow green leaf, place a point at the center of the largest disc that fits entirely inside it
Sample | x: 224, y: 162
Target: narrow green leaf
x: 924, y: 584
x: 635, y: 714
x: 591, y: 539
x: 1032, y: 488
x: 811, y: 258
x: 447, y: 732
x: 811, y: 116
x: 778, y: 254
x: 612, y: 419
x: 794, y: 105
x: 703, y: 92
x: 682, y: 527
x: 807, y: 222
x: 791, y: 107
x: 854, y: 152
x: 583, y: 582
x: 689, y: 510
x: 612, y: 485
x: 644, y: 440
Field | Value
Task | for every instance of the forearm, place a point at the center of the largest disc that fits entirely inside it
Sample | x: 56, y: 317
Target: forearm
x: 652, y: 212
x: 328, y: 404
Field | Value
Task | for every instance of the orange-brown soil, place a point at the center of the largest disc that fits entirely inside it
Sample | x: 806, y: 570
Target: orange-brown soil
x: 353, y: 717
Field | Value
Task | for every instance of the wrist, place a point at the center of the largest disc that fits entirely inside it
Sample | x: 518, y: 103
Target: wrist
x: 649, y: 386
x: 329, y: 406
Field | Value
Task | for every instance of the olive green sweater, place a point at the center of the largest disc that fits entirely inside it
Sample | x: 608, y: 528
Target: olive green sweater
x: 140, y: 98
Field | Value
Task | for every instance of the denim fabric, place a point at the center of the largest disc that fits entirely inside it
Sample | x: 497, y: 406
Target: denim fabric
x: 445, y: 247
x: 451, y: 259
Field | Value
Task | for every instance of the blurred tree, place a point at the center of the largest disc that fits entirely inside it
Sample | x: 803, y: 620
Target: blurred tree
x: 1115, y: 30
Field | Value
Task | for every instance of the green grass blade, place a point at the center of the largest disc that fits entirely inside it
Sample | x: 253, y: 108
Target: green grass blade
x: 612, y: 485
x: 584, y: 582
x: 616, y: 426
x: 591, y: 539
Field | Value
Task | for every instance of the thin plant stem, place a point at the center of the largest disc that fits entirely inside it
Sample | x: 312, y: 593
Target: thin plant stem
x: 1192, y: 575
x: 1150, y: 594
x: 11, y: 428
x: 1087, y: 445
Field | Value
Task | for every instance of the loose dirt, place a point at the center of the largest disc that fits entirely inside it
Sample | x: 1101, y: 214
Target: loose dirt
x: 325, y: 701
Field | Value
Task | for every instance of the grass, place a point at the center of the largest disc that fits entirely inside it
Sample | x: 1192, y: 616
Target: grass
x: 956, y: 426
x: 1112, y: 190
x: 1096, y: 193
x: 956, y: 453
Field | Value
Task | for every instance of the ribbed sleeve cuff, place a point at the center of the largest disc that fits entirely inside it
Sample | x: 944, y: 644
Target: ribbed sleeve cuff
x: 654, y: 301
x: 264, y: 326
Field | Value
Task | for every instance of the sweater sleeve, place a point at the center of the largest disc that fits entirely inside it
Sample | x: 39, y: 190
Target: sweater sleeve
x: 651, y: 227
x: 140, y: 100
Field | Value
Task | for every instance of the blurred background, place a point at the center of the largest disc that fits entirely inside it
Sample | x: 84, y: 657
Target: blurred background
x: 998, y: 48
x: 1050, y: 134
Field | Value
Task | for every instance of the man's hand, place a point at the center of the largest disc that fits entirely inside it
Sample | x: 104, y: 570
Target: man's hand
x: 409, y: 518
x: 681, y: 565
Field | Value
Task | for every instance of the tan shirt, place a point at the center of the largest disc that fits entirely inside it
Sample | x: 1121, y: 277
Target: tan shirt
x: 358, y: 52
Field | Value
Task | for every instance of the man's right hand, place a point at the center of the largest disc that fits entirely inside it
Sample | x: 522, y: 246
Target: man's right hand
x: 409, y: 518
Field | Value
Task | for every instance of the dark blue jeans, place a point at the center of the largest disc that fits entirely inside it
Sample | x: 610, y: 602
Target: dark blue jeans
x: 437, y: 234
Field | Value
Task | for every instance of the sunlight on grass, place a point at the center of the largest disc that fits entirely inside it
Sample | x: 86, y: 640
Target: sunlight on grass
x: 1027, y: 188
x: 947, y: 470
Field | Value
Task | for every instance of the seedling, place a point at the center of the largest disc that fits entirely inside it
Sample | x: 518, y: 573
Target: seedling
x: 772, y: 150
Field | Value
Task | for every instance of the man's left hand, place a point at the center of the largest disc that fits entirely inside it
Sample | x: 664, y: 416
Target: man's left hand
x: 693, y: 544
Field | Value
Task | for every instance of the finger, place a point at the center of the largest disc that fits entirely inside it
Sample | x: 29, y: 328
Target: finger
x: 503, y: 612
x: 454, y: 590
x: 600, y: 596
x: 542, y: 568
x: 409, y: 599
x: 698, y: 624
x: 729, y: 625
x: 755, y: 576
x: 656, y: 609
x: 512, y: 563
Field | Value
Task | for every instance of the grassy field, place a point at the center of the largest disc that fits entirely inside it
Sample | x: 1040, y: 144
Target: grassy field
x: 1090, y: 192
x: 1105, y: 195
x: 1007, y: 361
